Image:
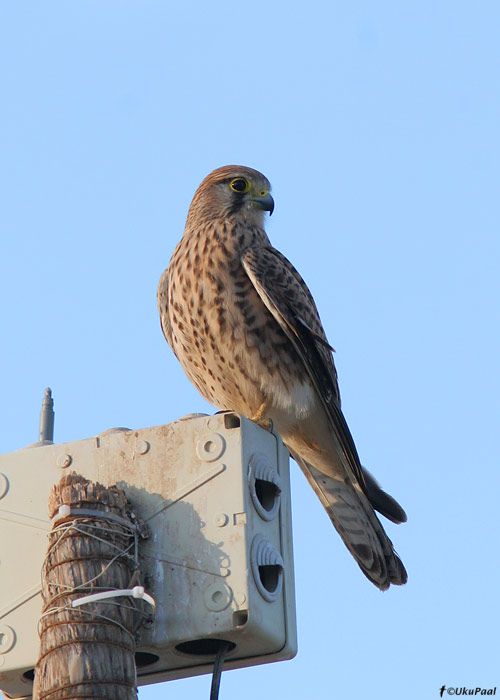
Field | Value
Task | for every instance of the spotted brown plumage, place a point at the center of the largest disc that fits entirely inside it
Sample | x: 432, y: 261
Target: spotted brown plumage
x: 247, y: 332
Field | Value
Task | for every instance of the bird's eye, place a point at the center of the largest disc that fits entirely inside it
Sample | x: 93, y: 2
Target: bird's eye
x: 239, y: 185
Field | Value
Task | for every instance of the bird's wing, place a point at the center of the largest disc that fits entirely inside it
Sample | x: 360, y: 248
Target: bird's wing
x: 162, y: 296
x: 349, y: 503
x: 382, y: 501
x: 286, y: 296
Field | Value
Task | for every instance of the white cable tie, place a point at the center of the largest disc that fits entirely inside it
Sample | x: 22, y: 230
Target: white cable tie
x: 135, y: 592
x: 65, y: 511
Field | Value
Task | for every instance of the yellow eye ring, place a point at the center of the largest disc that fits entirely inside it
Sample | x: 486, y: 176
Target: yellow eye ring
x: 239, y: 185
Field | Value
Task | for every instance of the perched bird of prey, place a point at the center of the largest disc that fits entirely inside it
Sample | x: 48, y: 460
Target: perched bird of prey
x: 245, y: 328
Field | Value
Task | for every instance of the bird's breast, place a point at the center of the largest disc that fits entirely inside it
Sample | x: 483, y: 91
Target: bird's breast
x: 228, y: 343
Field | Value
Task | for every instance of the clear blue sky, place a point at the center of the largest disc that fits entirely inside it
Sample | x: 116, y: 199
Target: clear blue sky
x: 378, y: 125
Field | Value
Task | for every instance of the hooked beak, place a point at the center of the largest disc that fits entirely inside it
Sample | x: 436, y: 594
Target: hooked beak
x: 265, y: 202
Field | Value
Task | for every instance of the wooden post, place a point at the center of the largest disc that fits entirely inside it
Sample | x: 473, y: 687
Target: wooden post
x: 88, y: 651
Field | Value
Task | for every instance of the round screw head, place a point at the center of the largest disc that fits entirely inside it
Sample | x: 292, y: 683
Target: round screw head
x: 211, y: 447
x: 221, y: 519
x: 142, y: 447
x: 217, y: 597
x: 7, y: 638
x: 64, y: 461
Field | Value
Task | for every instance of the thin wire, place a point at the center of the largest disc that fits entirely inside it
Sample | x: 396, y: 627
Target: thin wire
x: 85, y: 526
x: 217, y: 672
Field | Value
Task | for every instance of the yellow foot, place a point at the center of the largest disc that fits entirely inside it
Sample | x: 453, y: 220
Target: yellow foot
x: 265, y: 423
x: 259, y: 418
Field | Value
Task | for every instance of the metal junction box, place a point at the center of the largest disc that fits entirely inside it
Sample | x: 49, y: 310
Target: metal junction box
x: 215, y: 493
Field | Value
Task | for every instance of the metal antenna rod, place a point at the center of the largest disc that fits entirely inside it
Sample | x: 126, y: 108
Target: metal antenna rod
x: 47, y: 418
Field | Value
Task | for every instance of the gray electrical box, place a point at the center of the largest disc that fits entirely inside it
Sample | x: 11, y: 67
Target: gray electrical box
x: 215, y: 493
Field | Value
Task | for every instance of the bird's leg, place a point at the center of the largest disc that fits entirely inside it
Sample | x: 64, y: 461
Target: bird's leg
x: 260, y: 413
x: 259, y: 416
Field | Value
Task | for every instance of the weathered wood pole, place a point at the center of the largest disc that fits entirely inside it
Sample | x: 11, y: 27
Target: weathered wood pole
x: 88, y: 651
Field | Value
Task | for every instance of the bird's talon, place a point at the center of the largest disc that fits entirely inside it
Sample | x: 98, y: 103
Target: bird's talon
x: 269, y: 425
x: 265, y: 423
x: 259, y: 419
x: 259, y: 416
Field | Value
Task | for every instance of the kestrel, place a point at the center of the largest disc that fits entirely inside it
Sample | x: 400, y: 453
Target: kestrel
x: 245, y: 328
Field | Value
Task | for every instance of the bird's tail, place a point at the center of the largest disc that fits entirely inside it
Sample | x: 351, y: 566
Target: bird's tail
x: 354, y: 519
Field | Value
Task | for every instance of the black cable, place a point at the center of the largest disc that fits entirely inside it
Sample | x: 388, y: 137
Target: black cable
x: 217, y: 672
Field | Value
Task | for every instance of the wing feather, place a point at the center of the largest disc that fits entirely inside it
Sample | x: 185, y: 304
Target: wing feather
x: 286, y: 296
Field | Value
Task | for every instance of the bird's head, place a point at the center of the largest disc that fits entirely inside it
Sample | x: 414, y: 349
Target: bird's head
x: 233, y: 190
